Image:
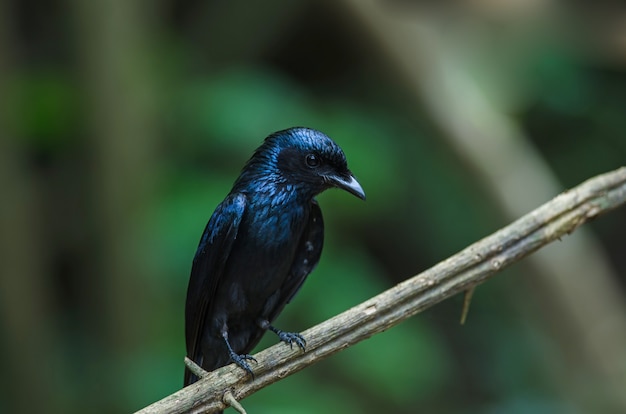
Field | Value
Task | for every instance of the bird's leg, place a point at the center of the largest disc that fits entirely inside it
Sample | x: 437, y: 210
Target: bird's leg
x: 286, y: 337
x: 236, y: 358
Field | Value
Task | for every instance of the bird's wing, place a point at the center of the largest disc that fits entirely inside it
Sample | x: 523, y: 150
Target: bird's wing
x: 306, y: 258
x: 208, y: 266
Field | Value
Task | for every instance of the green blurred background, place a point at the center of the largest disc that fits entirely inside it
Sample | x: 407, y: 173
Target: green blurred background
x: 123, y: 124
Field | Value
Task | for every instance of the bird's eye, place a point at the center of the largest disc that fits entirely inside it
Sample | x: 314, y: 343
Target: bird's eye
x: 312, y: 160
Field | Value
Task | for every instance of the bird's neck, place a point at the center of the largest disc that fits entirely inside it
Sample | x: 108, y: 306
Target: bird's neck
x: 273, y: 188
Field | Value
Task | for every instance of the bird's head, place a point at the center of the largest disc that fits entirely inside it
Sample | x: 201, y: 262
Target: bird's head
x: 308, y: 160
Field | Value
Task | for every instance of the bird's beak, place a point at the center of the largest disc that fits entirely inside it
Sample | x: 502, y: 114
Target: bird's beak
x: 351, y: 185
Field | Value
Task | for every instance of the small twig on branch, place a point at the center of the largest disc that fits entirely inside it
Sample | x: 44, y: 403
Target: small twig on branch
x: 195, y: 368
x: 230, y: 400
x: 467, y: 299
x: 560, y: 216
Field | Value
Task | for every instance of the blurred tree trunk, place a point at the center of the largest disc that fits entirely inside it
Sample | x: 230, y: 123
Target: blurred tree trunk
x: 113, y: 47
x: 25, y: 293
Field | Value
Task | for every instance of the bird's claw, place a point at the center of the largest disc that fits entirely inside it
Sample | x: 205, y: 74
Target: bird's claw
x: 292, y: 338
x: 240, y: 360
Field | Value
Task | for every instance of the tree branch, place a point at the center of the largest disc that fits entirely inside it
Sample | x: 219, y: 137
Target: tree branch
x: 560, y: 216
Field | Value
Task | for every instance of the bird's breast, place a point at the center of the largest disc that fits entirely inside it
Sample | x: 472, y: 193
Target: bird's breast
x: 265, y: 248
x: 272, y: 224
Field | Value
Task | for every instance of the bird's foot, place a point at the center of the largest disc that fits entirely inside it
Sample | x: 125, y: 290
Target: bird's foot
x: 290, y: 338
x: 241, y: 361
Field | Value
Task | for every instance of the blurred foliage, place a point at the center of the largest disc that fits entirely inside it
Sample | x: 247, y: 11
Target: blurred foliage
x: 422, y: 206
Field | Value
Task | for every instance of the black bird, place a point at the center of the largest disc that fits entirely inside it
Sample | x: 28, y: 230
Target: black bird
x: 259, y: 246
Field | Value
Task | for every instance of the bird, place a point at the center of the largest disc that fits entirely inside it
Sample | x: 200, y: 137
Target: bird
x: 259, y: 246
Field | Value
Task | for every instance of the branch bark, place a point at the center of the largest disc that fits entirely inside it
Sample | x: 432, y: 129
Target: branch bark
x: 475, y: 264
